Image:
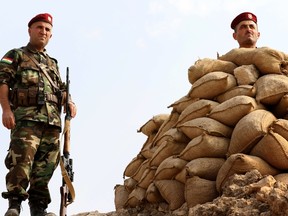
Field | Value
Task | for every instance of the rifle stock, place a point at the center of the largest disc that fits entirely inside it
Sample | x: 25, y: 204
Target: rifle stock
x: 66, y: 163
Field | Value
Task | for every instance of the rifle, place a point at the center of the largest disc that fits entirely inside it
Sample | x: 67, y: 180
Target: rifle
x: 66, y: 163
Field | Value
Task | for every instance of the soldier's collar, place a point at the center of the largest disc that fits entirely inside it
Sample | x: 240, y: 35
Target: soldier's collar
x: 31, y: 49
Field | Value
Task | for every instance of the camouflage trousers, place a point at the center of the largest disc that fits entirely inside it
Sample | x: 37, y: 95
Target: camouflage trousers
x: 32, y: 157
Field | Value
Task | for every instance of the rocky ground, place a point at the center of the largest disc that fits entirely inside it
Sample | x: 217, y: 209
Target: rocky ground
x: 249, y: 194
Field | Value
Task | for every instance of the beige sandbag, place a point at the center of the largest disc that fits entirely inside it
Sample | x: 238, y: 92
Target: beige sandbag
x: 153, y: 195
x: 206, y: 168
x: 133, y: 166
x: 167, y: 149
x: 246, y: 74
x: 173, y: 134
x: 199, y: 191
x: 136, y: 197
x: 267, y: 60
x: 197, y: 109
x: 147, y: 177
x: 130, y: 184
x: 172, y: 191
x: 281, y: 109
x: 148, y: 147
x: 247, y: 90
x: 283, y: 177
x: 139, y: 173
x: 249, y: 130
x: 121, y: 197
x: 196, y: 127
x: 181, y: 104
x: 240, y: 164
x: 231, y: 111
x: 169, y: 168
x: 205, y: 145
x: 153, y: 124
x: 207, y: 65
x: 212, y: 84
x: 271, y: 88
x: 272, y: 148
x: 280, y: 126
x: 169, y: 123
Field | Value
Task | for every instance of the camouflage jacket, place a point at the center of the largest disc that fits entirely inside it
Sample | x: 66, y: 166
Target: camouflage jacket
x: 20, y: 72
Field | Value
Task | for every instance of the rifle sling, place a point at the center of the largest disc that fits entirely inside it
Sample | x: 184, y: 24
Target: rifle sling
x: 67, y: 180
x: 41, y: 69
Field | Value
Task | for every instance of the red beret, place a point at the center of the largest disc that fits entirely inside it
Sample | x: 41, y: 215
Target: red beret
x: 45, y: 17
x: 243, y: 16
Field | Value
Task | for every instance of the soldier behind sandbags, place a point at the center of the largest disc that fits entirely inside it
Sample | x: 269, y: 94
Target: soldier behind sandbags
x: 245, y: 30
x: 31, y: 96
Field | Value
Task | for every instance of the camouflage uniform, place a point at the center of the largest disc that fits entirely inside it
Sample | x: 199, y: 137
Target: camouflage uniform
x: 34, y: 152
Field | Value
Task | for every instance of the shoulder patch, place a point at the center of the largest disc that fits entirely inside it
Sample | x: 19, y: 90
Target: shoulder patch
x: 7, y: 60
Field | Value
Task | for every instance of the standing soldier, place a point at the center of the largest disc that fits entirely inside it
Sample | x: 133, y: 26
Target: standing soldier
x: 31, y: 97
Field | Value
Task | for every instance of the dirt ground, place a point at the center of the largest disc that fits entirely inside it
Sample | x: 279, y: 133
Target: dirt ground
x: 249, y: 194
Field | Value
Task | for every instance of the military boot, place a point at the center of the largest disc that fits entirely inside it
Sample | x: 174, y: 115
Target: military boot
x: 14, y: 207
x: 39, y: 209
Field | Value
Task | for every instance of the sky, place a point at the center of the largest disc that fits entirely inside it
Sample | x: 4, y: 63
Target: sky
x: 128, y: 61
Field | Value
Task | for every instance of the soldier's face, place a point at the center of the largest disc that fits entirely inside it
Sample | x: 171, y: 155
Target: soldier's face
x: 40, y: 34
x: 246, y: 33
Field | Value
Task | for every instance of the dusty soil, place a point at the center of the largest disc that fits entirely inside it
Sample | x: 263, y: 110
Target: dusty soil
x: 249, y: 194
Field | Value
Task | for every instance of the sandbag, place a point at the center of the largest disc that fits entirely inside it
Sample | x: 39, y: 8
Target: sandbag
x: 281, y: 109
x: 153, y: 124
x: 121, y: 197
x: 267, y: 60
x: 181, y: 104
x: 246, y: 74
x: 247, y: 90
x: 167, y: 149
x: 168, y: 123
x: 232, y: 110
x: 271, y: 88
x: 280, y: 126
x: 153, y: 195
x: 130, y: 184
x: 148, y: 148
x: 273, y: 148
x: 199, y: 191
x: 133, y: 166
x: 283, y: 177
x: 240, y: 164
x: 197, y: 109
x: 136, y: 197
x: 173, y: 134
x: 196, y: 127
x: 205, y: 145
x: 212, y: 84
x: 147, y: 177
x: 249, y: 130
x: 172, y: 191
x: 206, y: 168
x: 207, y: 65
x: 169, y: 168
x: 139, y: 173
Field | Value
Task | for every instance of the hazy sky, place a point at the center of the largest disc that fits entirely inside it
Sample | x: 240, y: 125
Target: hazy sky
x: 128, y: 61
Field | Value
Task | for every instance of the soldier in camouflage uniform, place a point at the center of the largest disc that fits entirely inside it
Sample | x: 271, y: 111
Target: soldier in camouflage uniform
x: 31, y: 96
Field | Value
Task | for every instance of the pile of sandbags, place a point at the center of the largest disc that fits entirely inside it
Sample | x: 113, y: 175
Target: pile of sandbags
x: 233, y: 120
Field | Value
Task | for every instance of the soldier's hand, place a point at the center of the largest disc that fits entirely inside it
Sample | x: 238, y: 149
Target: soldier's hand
x: 73, y: 109
x: 8, y: 119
